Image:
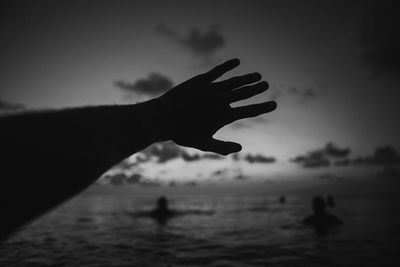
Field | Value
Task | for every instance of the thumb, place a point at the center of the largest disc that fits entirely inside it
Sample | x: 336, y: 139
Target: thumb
x: 220, y: 147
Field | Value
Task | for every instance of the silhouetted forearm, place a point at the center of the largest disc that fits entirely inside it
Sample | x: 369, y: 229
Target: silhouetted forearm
x: 48, y: 157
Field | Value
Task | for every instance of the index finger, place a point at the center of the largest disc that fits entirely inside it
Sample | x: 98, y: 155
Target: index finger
x: 221, y: 69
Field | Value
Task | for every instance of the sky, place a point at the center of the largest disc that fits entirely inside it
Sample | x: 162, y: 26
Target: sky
x: 333, y: 67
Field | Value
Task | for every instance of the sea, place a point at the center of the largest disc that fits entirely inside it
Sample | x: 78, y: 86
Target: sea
x: 218, y: 228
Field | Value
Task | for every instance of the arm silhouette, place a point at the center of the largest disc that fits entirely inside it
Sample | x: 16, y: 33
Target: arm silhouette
x: 48, y: 157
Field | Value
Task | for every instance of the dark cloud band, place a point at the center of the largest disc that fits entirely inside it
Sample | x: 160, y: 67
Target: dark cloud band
x: 203, y: 44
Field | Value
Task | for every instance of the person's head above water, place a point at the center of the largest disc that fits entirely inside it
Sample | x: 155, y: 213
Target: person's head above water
x: 162, y: 203
x: 318, y: 204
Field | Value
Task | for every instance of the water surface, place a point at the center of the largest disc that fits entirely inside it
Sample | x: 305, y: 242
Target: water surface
x: 234, y: 230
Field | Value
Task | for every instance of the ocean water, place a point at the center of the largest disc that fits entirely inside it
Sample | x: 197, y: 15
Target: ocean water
x: 232, y: 230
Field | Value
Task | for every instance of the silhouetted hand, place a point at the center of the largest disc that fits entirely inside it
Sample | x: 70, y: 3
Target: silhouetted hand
x: 199, y: 107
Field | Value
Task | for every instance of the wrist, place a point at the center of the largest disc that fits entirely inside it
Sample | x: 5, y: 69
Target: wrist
x: 160, y: 120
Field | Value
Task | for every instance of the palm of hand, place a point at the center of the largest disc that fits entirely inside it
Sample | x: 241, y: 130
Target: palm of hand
x: 200, y: 107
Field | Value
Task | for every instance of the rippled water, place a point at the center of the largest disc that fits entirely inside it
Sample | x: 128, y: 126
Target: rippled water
x: 249, y: 230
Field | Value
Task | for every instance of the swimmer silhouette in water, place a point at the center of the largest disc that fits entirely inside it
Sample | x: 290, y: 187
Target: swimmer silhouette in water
x: 321, y: 220
x: 162, y: 213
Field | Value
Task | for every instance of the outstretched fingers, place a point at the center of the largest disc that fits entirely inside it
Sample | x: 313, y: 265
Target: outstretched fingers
x: 248, y: 91
x: 252, y: 110
x: 221, y: 69
x: 238, y: 81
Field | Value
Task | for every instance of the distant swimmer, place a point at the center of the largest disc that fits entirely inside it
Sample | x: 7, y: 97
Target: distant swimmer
x: 330, y: 200
x: 282, y: 199
x: 162, y: 213
x: 321, y: 220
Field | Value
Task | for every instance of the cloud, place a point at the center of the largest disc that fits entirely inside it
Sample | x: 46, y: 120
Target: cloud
x: 312, y: 160
x: 322, y: 157
x: 378, y: 37
x: 203, y: 44
x: 121, y: 179
x: 212, y: 156
x: 333, y: 151
x: 331, y: 154
x: 252, y: 158
x: 235, y: 156
x: 383, y: 156
x: 386, y: 155
x: 229, y: 173
x: 164, y: 152
x: 187, y: 157
x: 190, y: 183
x: 134, y: 170
x: 258, y: 158
x: 195, y: 157
x: 301, y: 93
x: 7, y: 106
x: 155, y: 84
x: 167, y: 151
x: 304, y: 92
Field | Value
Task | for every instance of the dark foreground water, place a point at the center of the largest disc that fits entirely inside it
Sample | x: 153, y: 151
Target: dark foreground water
x: 241, y: 230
